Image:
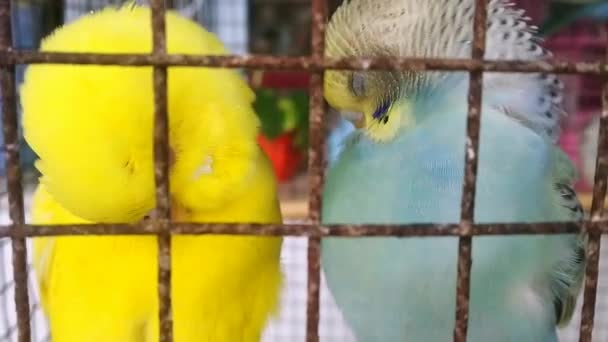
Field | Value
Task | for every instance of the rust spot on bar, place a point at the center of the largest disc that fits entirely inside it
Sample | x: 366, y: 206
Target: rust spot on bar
x: 597, y: 205
x: 316, y: 161
x: 13, y: 177
x: 161, y: 172
x: 467, y: 204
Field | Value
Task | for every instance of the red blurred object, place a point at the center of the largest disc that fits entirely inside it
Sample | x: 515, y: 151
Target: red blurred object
x: 286, y: 158
x: 280, y: 79
x: 295, y: 79
x: 583, y: 40
x: 284, y: 155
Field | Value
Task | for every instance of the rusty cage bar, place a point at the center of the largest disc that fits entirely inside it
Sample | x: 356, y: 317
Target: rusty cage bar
x: 162, y: 226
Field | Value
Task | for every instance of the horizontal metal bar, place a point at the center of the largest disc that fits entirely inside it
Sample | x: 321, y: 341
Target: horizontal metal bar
x: 307, y: 230
x: 270, y: 62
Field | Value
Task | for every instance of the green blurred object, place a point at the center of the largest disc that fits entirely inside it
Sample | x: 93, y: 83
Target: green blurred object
x: 563, y: 13
x: 283, y: 111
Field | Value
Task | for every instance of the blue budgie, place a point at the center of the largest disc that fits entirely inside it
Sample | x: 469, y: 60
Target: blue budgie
x: 406, y: 163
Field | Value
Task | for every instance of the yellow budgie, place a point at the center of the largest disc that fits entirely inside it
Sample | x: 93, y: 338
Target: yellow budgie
x: 92, y: 128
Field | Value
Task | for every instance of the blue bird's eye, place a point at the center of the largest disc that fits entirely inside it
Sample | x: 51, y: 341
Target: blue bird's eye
x: 382, y: 109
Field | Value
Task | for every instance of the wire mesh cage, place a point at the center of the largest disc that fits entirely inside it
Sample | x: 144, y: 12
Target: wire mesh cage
x: 307, y: 308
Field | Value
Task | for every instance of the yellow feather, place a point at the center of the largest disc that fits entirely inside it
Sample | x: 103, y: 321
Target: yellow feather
x: 92, y: 128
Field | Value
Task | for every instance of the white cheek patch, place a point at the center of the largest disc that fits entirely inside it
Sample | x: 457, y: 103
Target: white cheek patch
x: 205, y: 168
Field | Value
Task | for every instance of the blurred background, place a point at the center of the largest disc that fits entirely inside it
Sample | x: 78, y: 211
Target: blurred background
x: 575, y: 30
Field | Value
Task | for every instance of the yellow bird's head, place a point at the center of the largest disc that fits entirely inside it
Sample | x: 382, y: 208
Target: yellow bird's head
x: 92, y: 126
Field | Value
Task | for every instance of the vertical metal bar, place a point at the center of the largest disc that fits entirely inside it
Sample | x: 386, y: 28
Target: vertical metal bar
x: 595, y: 237
x: 13, y: 175
x: 469, y: 187
x: 161, y: 172
x: 313, y: 288
x: 316, y: 161
x: 590, y: 289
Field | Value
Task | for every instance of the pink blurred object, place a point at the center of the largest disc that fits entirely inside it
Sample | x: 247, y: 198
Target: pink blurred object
x: 584, y: 40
